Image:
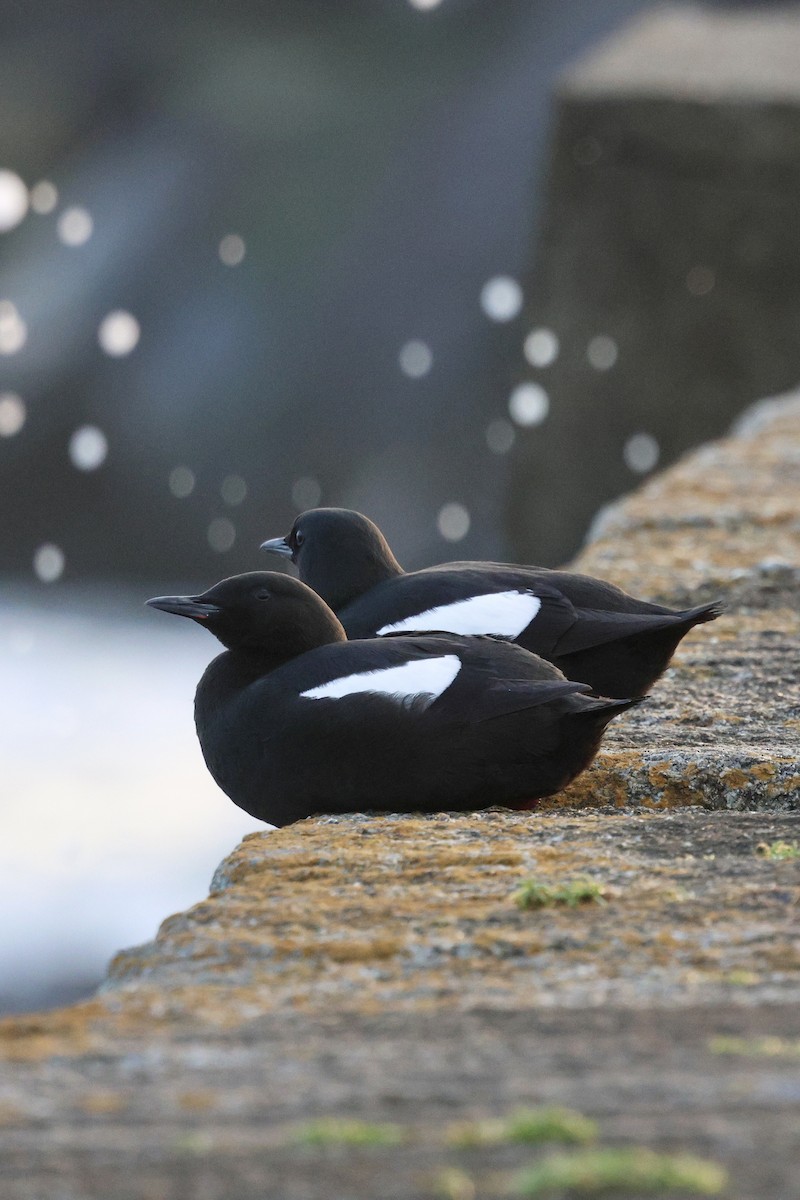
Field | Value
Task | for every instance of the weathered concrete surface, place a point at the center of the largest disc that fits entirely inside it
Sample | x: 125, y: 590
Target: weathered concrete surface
x: 433, y: 899
x: 380, y: 968
x: 722, y: 728
x: 668, y: 228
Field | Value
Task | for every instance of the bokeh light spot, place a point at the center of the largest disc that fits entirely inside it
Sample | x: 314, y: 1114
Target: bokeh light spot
x: 13, y: 200
x: 500, y: 436
x: 641, y: 452
x: 44, y: 197
x: 541, y: 347
x: 13, y: 330
x: 231, y: 249
x: 424, y: 5
x: 453, y: 522
x: 700, y: 281
x: 181, y: 482
x: 118, y: 333
x: 528, y: 404
x: 233, y: 489
x: 501, y: 298
x: 75, y: 226
x: 12, y: 414
x: 306, y: 493
x: 221, y: 534
x: 88, y: 448
x: 415, y: 359
x: 602, y: 352
x: 49, y: 562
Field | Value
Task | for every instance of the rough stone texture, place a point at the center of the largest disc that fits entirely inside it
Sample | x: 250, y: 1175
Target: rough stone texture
x: 668, y: 226
x: 434, y: 908
x: 722, y: 729
x: 380, y: 968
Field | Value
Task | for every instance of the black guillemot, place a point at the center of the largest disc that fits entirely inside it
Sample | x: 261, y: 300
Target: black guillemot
x: 592, y: 630
x: 294, y: 720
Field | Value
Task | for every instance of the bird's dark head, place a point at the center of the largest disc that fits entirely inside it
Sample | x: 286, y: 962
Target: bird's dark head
x: 339, y: 553
x: 262, y: 612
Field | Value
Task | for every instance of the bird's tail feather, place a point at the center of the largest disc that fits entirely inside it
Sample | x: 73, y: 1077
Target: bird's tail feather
x: 704, y: 612
x: 601, y: 710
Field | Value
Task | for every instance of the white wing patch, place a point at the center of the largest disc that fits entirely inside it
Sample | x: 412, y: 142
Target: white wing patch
x: 504, y: 614
x: 425, y: 678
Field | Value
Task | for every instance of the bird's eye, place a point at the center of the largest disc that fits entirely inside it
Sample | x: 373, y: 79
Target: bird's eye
x: 299, y: 538
x: 262, y: 596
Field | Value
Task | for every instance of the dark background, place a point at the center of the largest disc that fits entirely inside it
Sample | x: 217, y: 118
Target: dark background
x: 380, y: 162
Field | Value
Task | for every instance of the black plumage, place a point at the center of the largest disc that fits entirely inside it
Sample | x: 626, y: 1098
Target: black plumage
x: 293, y: 719
x: 593, y: 631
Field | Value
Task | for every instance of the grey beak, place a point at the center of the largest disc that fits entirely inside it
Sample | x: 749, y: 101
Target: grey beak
x: 278, y: 546
x: 185, y: 606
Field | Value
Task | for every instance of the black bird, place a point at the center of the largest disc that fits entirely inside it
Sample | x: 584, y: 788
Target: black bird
x: 593, y: 631
x: 293, y: 719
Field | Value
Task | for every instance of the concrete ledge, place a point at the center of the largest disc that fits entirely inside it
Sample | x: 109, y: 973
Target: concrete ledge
x: 369, y: 914
x: 382, y: 968
x: 722, y: 728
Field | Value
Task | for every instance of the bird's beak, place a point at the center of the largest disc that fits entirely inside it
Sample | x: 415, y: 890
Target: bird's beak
x: 186, y: 606
x: 278, y: 546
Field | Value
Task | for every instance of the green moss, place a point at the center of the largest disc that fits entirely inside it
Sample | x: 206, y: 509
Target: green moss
x: 336, y: 1131
x: 532, y: 894
x: 779, y: 851
x: 193, y: 1143
x: 631, y: 1170
x: 757, y: 1047
x: 741, y: 978
x: 524, y: 1125
x: 451, y: 1183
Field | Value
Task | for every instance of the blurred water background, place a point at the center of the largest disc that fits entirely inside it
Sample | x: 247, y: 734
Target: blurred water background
x: 254, y: 257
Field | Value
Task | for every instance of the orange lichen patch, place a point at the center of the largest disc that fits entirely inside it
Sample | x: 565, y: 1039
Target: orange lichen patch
x: 103, y: 1103
x: 11, y: 1114
x: 355, y: 950
x: 197, y: 1101
x: 604, y: 783
x: 443, y: 859
x: 783, y: 955
x: 736, y: 778
x: 42, y: 1035
x: 658, y: 775
x: 507, y: 942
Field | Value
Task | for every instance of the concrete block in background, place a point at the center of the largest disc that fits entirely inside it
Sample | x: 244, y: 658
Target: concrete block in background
x: 668, y: 264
